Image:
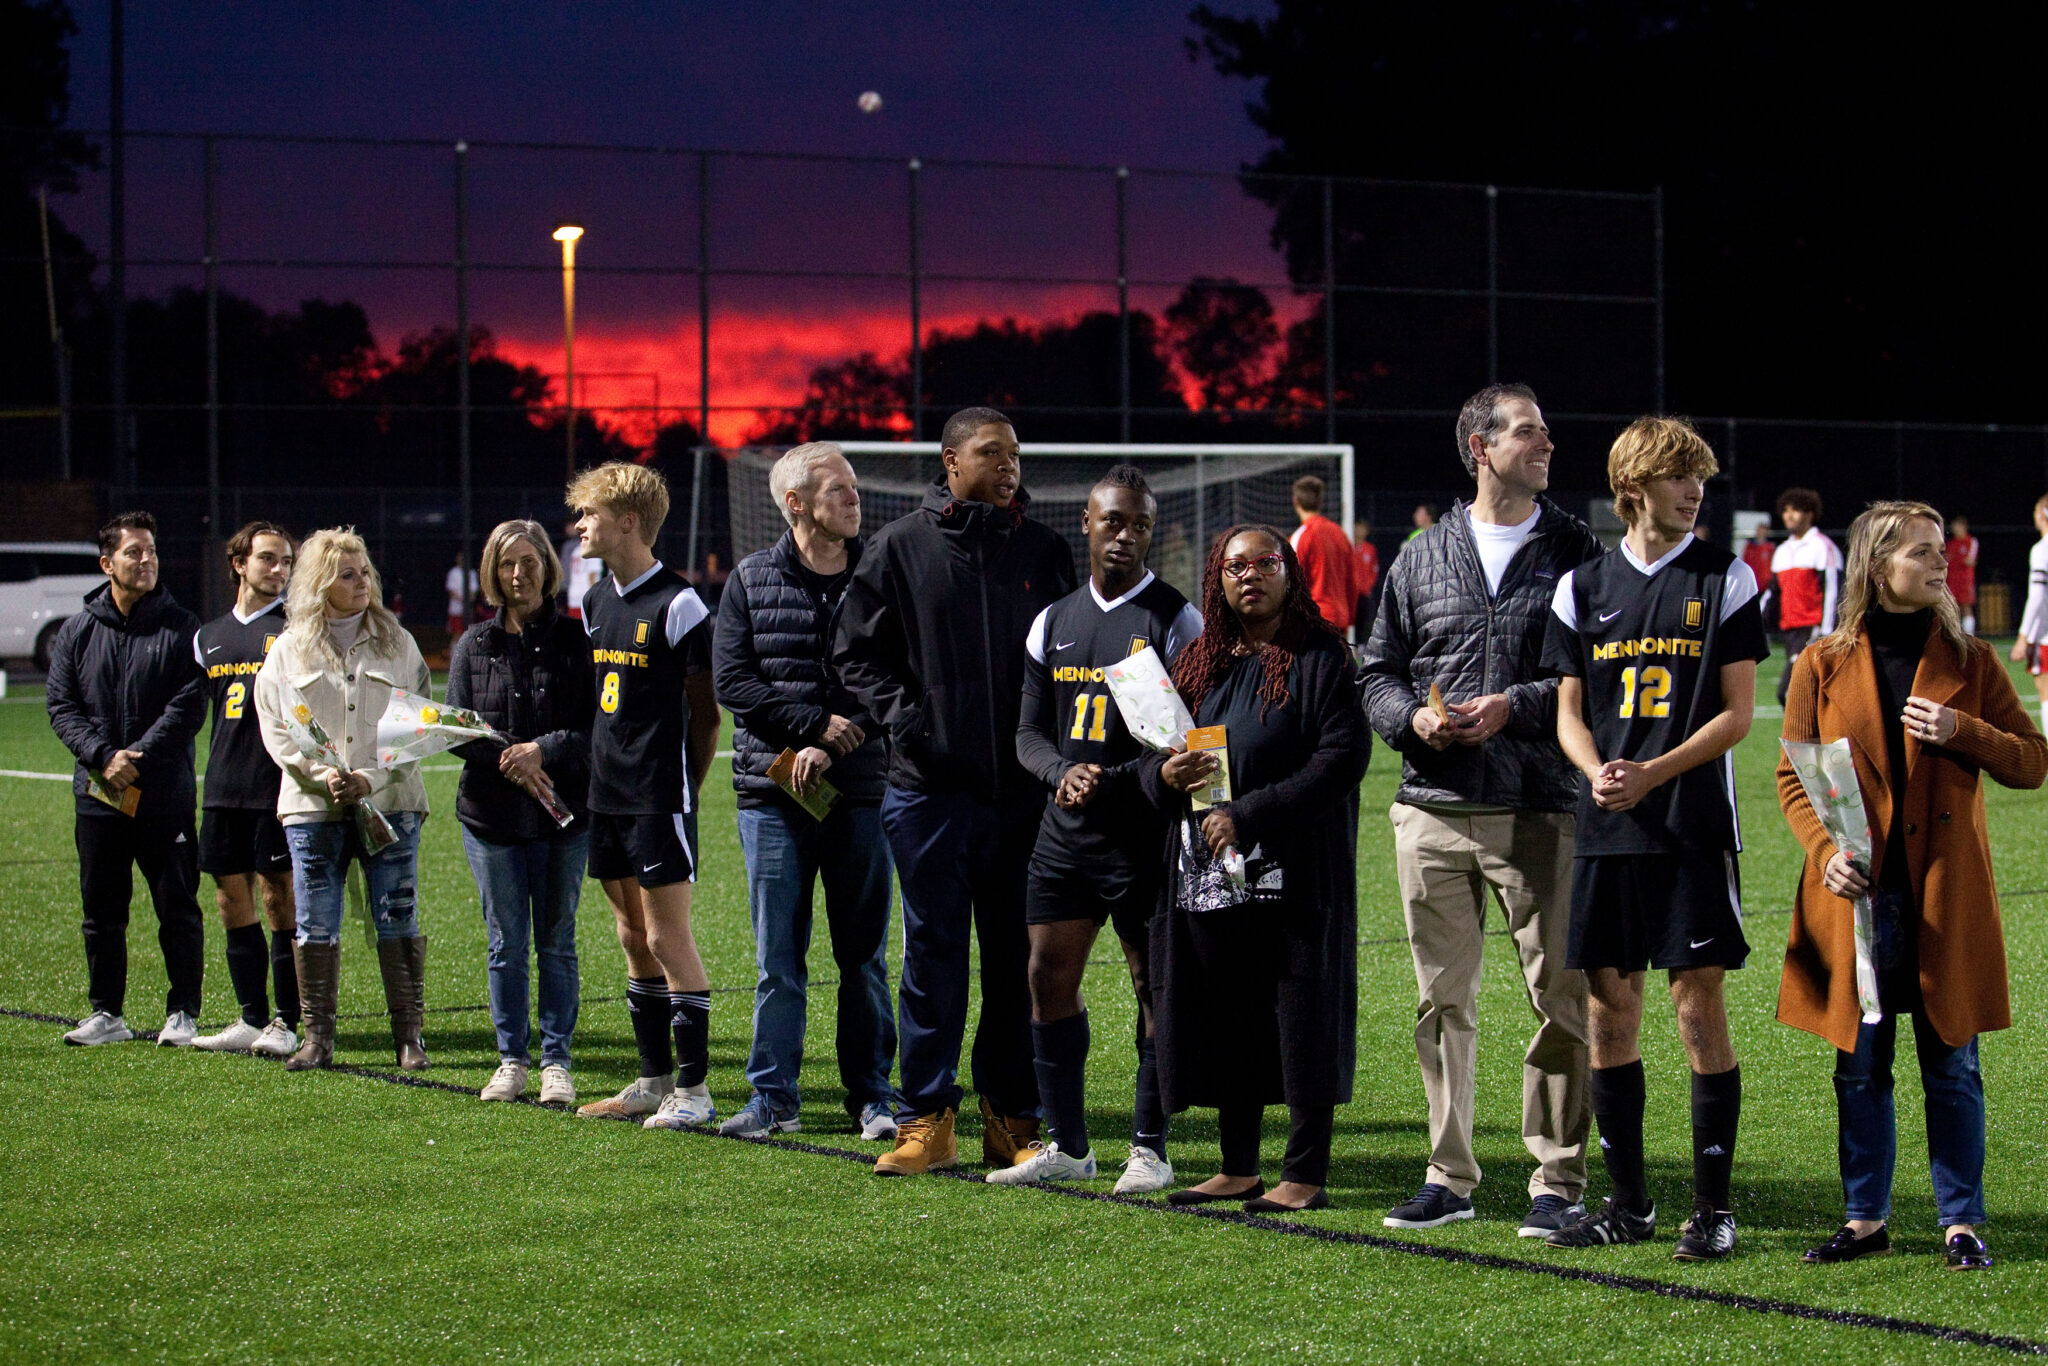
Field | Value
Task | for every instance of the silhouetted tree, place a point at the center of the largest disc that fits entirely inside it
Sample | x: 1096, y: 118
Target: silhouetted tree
x: 1222, y: 334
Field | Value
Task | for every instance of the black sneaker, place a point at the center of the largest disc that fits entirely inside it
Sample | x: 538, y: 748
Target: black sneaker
x: 1707, y: 1237
x: 1433, y: 1207
x: 1610, y: 1225
x: 1549, y: 1214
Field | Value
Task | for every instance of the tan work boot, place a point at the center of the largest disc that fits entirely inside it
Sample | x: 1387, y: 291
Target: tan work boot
x: 403, y: 963
x: 318, y: 966
x: 1006, y: 1139
x: 924, y: 1143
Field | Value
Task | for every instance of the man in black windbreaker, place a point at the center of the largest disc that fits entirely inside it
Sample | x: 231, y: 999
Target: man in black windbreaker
x: 931, y: 641
x: 1486, y: 800
x: 127, y: 697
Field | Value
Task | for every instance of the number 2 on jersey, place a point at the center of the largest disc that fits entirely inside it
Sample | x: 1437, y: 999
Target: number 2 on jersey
x: 1653, y: 697
x: 608, y: 698
x: 231, y: 705
x: 1082, y: 730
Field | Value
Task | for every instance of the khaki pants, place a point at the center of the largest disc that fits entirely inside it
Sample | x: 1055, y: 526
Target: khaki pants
x: 1446, y: 862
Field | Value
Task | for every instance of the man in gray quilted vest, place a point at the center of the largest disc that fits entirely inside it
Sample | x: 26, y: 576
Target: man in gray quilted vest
x: 1486, y: 801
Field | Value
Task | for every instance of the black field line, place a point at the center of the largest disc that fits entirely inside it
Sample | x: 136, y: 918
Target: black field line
x: 1606, y: 1280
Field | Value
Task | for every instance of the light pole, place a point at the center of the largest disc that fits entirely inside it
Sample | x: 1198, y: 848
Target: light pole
x: 566, y: 234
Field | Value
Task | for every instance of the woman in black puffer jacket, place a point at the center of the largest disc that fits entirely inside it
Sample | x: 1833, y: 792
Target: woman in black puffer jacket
x: 527, y: 673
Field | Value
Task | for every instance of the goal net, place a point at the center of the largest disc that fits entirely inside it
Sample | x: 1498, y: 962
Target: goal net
x: 1200, y: 489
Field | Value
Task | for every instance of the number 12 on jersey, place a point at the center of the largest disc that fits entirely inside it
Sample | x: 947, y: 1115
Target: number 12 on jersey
x: 1652, y: 695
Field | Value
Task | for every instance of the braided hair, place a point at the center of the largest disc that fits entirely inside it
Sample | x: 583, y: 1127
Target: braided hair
x: 1200, y: 666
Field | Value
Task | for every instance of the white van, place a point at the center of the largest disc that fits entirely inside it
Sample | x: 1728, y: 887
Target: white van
x: 41, y: 583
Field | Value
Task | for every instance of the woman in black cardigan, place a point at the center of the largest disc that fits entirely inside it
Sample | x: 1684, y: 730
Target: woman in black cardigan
x: 1255, y: 976
x: 527, y: 672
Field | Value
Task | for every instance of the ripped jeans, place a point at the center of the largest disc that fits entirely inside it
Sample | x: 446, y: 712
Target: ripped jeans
x: 321, y: 854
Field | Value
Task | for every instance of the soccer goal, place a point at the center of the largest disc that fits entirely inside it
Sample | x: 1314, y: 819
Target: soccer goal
x: 1201, y: 489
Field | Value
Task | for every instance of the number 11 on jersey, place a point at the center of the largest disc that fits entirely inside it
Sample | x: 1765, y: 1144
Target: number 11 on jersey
x: 1082, y: 730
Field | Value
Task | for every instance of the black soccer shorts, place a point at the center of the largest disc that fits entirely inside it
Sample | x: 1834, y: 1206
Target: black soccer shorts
x: 1053, y: 894
x: 658, y: 850
x: 234, y: 841
x: 1676, y: 910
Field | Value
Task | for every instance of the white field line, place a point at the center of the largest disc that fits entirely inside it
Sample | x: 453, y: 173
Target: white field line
x: 425, y: 768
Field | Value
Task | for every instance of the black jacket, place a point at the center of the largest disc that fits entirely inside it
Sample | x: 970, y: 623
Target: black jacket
x: 771, y: 663
x: 1437, y: 623
x: 931, y: 639
x: 130, y: 683
x: 532, y: 686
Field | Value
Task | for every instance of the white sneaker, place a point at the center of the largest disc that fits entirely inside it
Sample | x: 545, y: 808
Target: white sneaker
x: 507, y: 1083
x: 178, y: 1032
x: 643, y: 1097
x: 683, y: 1108
x: 877, y: 1121
x: 100, y: 1027
x: 276, y: 1041
x: 1044, y: 1162
x: 556, y: 1086
x: 1146, y: 1172
x: 239, y: 1037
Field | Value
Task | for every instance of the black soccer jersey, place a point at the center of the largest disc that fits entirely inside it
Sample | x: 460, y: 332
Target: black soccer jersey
x: 1649, y: 642
x: 645, y: 638
x: 1067, y: 703
x: 239, y: 771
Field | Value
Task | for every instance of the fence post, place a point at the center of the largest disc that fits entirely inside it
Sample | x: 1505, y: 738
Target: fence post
x: 1657, y: 250
x: 462, y: 450
x: 1493, y: 284
x: 1330, y: 309
x: 121, y: 464
x: 703, y: 299
x: 209, y: 581
x: 1123, y: 302
x: 916, y: 308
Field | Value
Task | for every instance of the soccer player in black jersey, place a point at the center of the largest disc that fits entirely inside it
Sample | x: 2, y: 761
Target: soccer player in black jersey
x: 1656, y: 644
x: 650, y: 747
x: 1099, y: 845
x: 241, y: 842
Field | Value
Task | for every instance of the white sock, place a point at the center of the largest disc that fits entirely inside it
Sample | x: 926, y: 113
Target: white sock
x: 2044, y: 718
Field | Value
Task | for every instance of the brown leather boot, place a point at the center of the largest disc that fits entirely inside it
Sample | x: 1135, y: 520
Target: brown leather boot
x: 1005, y: 1138
x: 319, y: 968
x: 403, y: 963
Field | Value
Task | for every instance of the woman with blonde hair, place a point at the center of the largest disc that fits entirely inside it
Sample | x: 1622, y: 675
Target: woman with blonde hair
x: 1927, y: 710
x: 331, y: 673
x: 527, y: 672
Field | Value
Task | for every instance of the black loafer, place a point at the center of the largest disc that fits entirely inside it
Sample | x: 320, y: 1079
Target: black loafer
x: 1847, y: 1246
x: 1320, y: 1200
x: 1191, y: 1196
x: 1966, y: 1252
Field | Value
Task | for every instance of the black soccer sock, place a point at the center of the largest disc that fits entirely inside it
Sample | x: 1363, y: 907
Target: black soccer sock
x: 1618, y: 1106
x: 284, y: 978
x: 1716, y: 1110
x: 1148, y: 1116
x: 248, y: 955
x: 647, y: 1004
x: 1059, y: 1050
x: 690, y: 1019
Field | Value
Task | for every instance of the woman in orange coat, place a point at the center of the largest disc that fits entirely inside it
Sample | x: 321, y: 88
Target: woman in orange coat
x: 1927, y: 710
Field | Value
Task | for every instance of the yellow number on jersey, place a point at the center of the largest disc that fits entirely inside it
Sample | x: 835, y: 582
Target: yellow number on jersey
x: 231, y: 705
x: 1654, y: 696
x: 1082, y: 730
x: 609, y: 697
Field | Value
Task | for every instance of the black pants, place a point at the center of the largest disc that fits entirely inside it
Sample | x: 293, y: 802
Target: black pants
x: 166, y: 849
x: 1310, y: 1128
x: 1796, y: 640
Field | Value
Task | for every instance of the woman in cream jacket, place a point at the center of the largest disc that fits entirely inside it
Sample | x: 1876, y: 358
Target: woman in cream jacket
x: 340, y: 656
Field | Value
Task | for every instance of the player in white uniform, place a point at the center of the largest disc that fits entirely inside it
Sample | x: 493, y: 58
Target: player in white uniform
x: 2031, y: 648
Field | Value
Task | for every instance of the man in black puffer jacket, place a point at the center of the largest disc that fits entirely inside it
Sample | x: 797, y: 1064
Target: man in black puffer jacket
x: 772, y: 667
x: 126, y: 696
x: 932, y: 642
x: 1486, y: 800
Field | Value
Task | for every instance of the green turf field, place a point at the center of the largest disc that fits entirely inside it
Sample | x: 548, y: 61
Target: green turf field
x: 179, y: 1206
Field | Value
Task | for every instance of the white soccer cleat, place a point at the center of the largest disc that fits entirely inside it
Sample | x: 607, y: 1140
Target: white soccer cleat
x: 507, y: 1083
x: 1145, y: 1173
x: 276, y: 1041
x: 642, y: 1097
x: 1044, y: 1162
x: 556, y: 1086
x: 178, y: 1032
x: 98, y: 1028
x: 683, y: 1108
x: 239, y: 1037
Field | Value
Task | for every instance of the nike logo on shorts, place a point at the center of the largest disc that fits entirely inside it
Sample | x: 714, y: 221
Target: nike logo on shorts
x: 1700, y: 943
x: 652, y: 866
x: 1606, y: 617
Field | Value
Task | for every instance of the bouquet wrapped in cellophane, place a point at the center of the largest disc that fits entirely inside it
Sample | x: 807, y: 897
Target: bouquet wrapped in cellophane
x: 1827, y: 771
x: 316, y: 744
x: 414, y: 727
x: 1148, y: 702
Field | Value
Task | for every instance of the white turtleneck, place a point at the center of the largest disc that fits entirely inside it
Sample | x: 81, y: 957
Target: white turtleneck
x: 345, y: 630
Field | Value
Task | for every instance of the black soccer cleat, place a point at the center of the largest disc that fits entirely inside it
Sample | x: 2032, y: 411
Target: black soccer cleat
x: 1707, y: 1237
x: 1609, y: 1226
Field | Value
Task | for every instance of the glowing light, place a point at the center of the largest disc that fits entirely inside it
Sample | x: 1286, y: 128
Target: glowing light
x: 568, y: 232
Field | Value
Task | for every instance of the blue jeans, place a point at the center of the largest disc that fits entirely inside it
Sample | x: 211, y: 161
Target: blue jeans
x: 788, y: 854
x: 321, y: 854
x: 1869, y: 1127
x: 530, y: 890
x: 961, y: 864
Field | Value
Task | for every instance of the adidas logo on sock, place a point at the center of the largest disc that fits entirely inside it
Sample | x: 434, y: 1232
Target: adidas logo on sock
x: 1715, y: 1150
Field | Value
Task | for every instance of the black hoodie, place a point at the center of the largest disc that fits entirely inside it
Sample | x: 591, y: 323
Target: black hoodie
x: 130, y: 683
x: 931, y: 639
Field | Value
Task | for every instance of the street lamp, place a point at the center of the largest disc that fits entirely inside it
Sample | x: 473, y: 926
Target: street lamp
x: 566, y: 234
